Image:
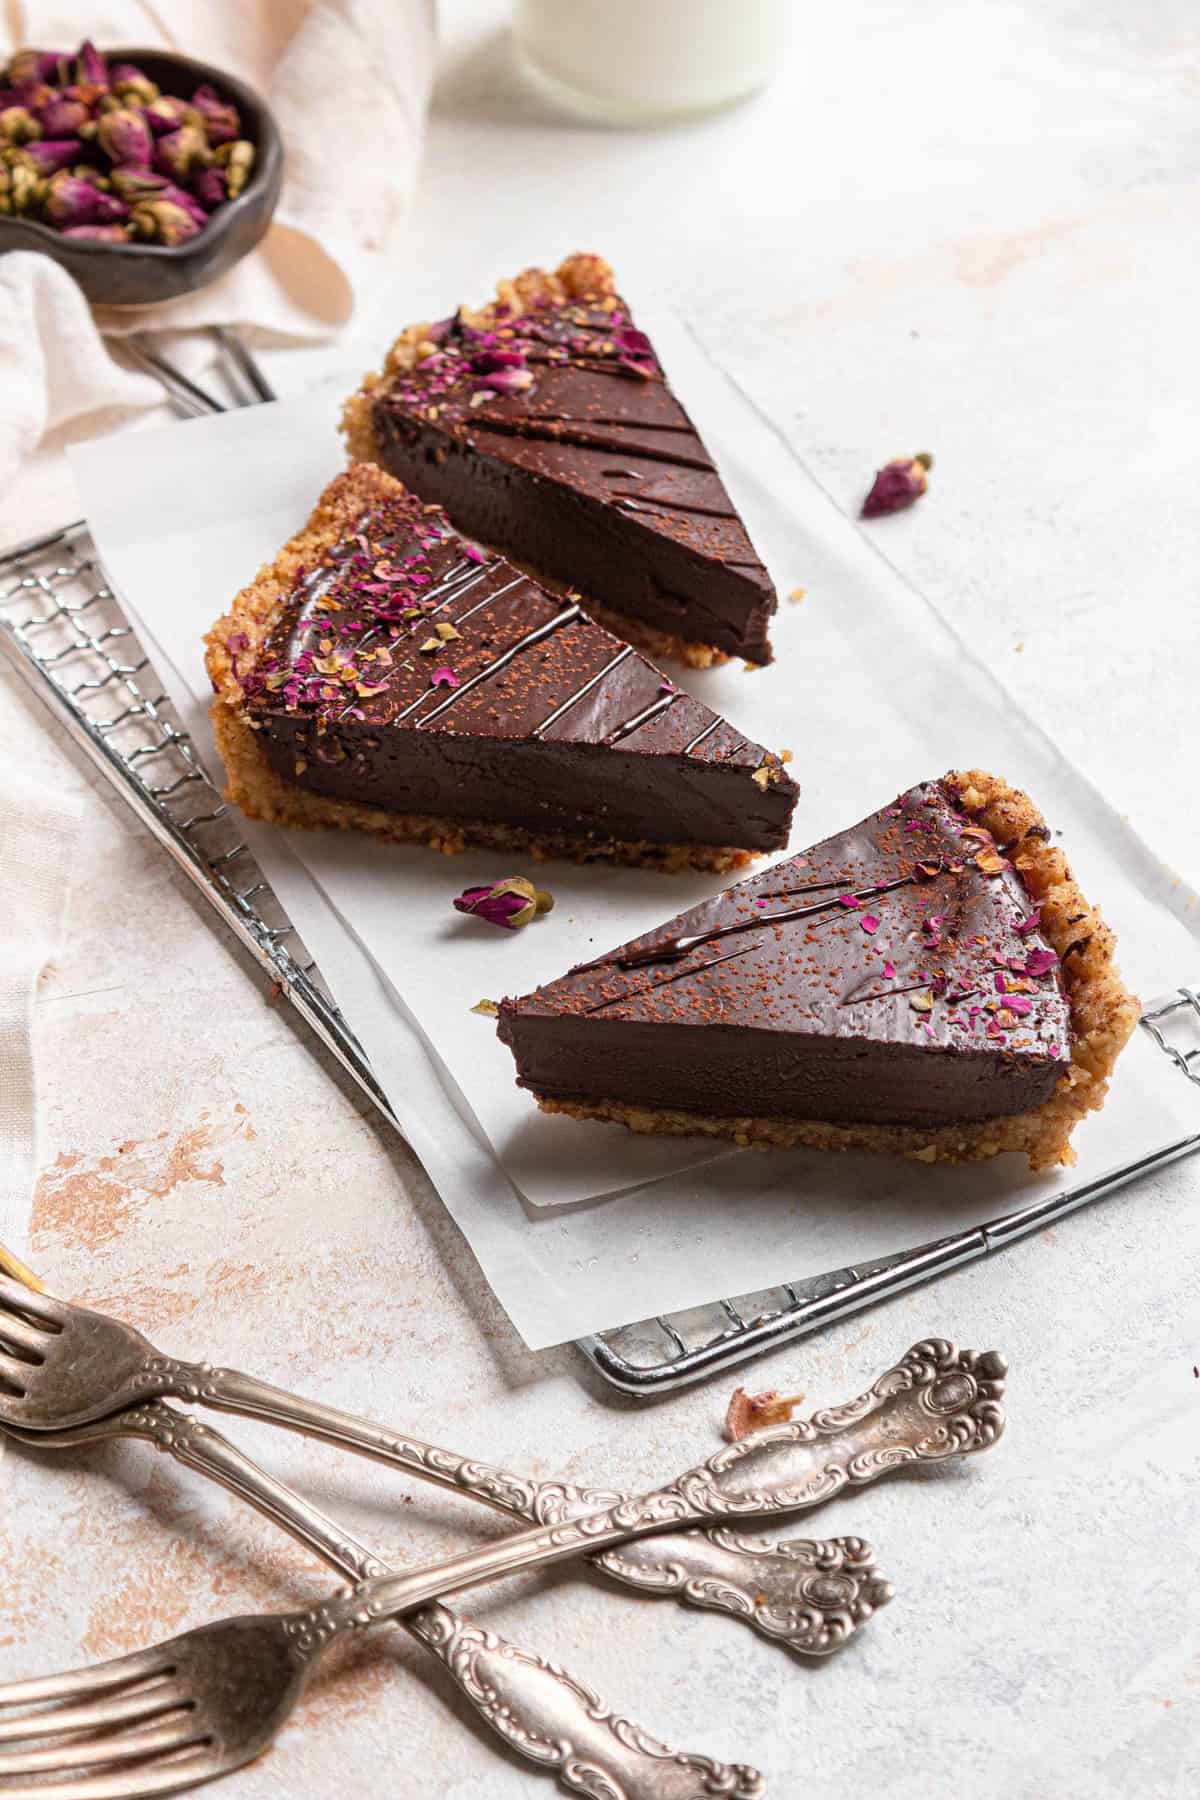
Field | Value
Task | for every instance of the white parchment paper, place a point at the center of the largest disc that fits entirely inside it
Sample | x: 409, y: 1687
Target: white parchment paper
x: 872, y: 690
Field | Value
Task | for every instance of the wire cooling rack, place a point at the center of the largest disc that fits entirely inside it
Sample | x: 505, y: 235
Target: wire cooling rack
x: 64, y: 632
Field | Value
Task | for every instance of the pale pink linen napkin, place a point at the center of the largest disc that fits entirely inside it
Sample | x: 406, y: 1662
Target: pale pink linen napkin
x: 348, y: 82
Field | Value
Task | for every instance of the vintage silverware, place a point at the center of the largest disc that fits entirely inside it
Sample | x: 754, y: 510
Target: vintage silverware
x: 540, y: 1710
x: 935, y: 1403
x: 809, y: 1596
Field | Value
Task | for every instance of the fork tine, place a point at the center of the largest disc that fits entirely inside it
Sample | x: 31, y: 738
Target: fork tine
x: 16, y: 1297
x: 141, y: 1665
x: 19, y: 1334
x: 101, y: 1752
x: 125, y: 1784
x: 15, y: 1372
x: 58, y: 1721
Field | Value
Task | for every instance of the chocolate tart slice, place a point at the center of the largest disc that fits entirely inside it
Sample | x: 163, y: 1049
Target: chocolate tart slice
x: 543, y: 423
x: 931, y: 981
x: 384, y: 674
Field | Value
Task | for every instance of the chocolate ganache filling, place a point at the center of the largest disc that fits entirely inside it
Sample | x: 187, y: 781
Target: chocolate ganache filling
x: 412, y: 671
x: 556, y: 437
x: 893, y: 974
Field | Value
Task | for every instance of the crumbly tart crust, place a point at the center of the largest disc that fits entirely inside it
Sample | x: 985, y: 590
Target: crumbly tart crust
x: 254, y: 786
x: 580, y: 277
x: 1102, y: 1010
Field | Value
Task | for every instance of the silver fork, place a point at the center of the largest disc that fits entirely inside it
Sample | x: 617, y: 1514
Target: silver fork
x: 539, y: 1709
x: 72, y: 1366
x: 214, y: 1698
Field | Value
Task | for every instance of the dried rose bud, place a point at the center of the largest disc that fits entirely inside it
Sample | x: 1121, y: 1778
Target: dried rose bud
x: 237, y: 160
x: 178, y: 196
x: 754, y: 1412
x: 29, y: 66
x: 133, y: 182
x: 165, y: 114
x: 897, y: 485
x: 24, y: 191
x: 211, y: 188
x: 511, y: 903
x: 220, y: 117
x: 133, y: 85
x: 72, y: 201
x: 46, y: 158
x: 182, y: 153
x: 125, y: 137
x: 98, y: 234
x: 90, y: 66
x: 162, y: 222
x: 61, y: 118
x: 18, y: 126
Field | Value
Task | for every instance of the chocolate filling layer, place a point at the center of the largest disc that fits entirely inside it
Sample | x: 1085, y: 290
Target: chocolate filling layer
x: 893, y: 974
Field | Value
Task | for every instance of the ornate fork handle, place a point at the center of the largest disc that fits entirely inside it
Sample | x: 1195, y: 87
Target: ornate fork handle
x: 810, y: 1596
x: 541, y: 1711
x: 937, y: 1402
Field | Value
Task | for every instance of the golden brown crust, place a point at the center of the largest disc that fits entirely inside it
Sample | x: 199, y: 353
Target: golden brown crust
x: 580, y: 277
x: 253, y: 785
x: 1103, y: 1015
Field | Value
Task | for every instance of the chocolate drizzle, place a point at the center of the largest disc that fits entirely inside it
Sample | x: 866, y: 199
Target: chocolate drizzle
x: 411, y: 670
x: 532, y: 469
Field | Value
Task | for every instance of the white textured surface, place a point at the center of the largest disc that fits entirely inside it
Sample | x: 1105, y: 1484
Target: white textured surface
x: 1015, y: 185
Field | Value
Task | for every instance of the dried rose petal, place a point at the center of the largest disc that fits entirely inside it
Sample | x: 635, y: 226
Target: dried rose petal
x: 747, y: 1413
x: 443, y: 677
x: 897, y: 485
x: 485, y: 361
x: 511, y: 903
x: 869, y: 923
x: 507, y: 381
x: 1040, y: 962
x: 1029, y: 923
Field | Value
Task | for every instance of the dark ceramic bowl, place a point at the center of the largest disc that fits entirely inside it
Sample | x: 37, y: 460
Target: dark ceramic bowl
x: 139, y: 274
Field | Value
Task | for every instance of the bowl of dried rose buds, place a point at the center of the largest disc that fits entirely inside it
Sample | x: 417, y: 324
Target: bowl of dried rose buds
x: 144, y: 173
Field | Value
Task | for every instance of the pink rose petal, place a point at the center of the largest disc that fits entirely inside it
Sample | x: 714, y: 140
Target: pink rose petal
x: 869, y: 923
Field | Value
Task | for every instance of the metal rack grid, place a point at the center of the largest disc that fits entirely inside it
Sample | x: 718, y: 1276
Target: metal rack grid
x: 63, y: 631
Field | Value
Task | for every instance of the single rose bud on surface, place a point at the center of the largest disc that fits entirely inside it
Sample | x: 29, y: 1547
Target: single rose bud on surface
x: 897, y: 485
x: 220, y: 117
x: 98, y: 234
x: 165, y: 114
x: 181, y: 153
x: 61, y: 118
x: 125, y: 137
x: 754, y: 1412
x: 237, y: 160
x: 90, y: 66
x: 510, y: 903
x: 162, y: 222
x: 73, y: 201
x: 18, y: 126
x: 211, y: 188
x: 47, y: 157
